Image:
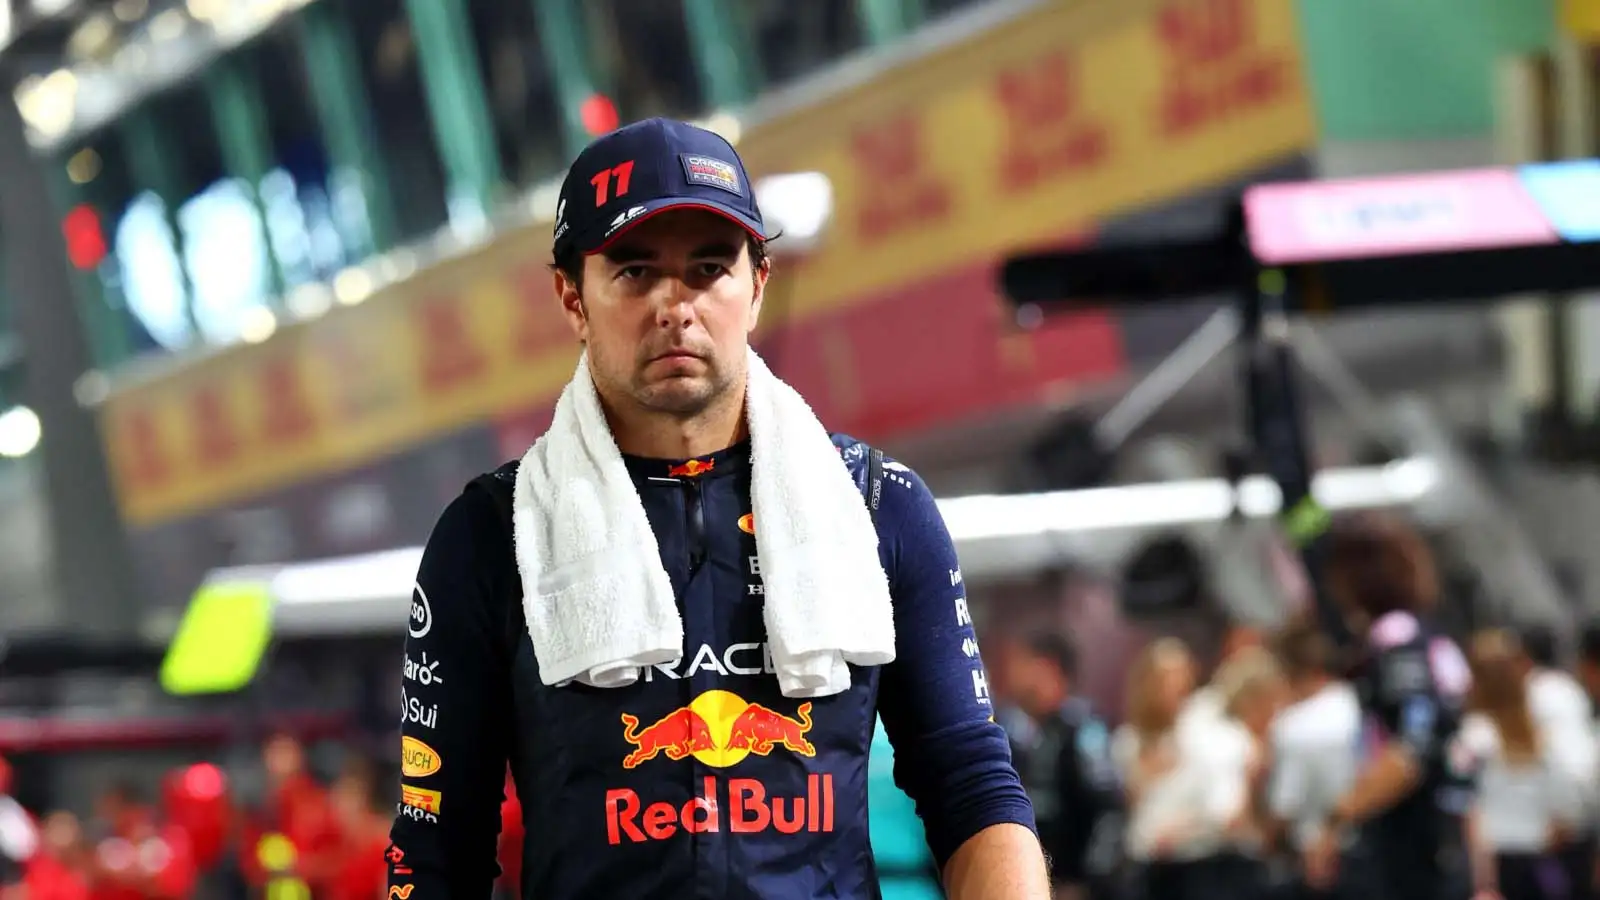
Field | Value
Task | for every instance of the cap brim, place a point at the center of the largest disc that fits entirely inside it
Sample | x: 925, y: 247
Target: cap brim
x: 670, y: 204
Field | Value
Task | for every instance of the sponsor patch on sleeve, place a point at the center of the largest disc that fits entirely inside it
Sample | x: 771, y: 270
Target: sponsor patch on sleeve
x: 421, y: 798
x: 712, y: 172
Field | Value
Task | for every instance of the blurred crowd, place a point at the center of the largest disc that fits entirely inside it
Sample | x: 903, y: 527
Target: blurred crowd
x: 196, y: 837
x: 1219, y: 786
x: 1213, y: 775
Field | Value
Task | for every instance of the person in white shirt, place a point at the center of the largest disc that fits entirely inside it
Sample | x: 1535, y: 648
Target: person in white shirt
x: 1314, y: 741
x: 1527, y: 802
x: 1145, y: 752
x: 1204, y: 705
x: 1564, y: 716
x: 1191, y: 788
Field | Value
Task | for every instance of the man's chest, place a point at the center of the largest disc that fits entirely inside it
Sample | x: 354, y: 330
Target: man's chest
x: 718, y: 709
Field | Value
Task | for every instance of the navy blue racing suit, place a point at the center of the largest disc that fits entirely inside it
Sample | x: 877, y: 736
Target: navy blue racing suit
x: 701, y: 779
x: 1413, y: 689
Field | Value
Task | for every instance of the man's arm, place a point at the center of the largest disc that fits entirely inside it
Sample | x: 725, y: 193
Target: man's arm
x: 950, y: 757
x: 455, y: 724
x: 1416, y: 726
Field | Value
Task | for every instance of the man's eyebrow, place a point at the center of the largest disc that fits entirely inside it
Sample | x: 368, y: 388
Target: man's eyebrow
x: 626, y: 254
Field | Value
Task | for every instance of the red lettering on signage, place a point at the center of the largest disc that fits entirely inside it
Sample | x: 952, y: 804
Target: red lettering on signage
x: 897, y: 191
x: 358, y: 391
x: 1215, y: 67
x: 749, y: 811
x: 144, y: 462
x: 287, y: 411
x: 215, y: 439
x: 450, y: 355
x: 1046, y: 132
x: 539, y: 322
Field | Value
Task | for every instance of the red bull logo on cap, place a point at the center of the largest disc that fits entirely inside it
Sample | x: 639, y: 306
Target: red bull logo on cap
x: 720, y: 729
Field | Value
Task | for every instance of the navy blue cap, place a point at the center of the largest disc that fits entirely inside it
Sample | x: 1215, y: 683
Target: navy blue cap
x: 646, y: 168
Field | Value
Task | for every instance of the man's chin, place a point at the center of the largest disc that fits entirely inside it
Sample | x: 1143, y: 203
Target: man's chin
x: 680, y: 396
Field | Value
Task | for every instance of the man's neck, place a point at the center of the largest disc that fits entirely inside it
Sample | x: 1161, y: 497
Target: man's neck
x: 658, y: 436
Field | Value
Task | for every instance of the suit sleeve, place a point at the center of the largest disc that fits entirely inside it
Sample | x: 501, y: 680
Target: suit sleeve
x: 950, y: 756
x: 456, y: 710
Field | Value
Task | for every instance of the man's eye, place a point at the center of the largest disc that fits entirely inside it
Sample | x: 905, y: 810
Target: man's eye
x: 631, y: 272
x: 711, y: 269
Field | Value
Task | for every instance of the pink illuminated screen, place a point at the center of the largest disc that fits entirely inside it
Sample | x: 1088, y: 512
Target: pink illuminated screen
x: 1441, y: 211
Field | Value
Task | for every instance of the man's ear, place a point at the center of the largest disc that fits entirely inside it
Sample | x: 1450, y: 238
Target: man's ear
x: 760, y: 275
x: 571, y: 299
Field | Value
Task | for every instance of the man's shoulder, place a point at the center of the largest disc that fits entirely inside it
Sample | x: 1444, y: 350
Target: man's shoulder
x: 506, y: 474
x: 499, y: 484
x: 857, y: 455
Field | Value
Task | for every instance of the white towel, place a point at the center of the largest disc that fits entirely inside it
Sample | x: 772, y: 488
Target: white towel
x: 599, y: 604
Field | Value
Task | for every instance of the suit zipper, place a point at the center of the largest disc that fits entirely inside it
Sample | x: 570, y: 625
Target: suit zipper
x: 695, y: 521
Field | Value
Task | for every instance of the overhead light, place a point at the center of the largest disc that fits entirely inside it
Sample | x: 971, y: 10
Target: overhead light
x: 130, y: 10
x: 352, y: 286
x: 49, y: 104
x: 310, y: 300
x: 1176, y: 503
x: 92, y: 37
x: 92, y: 388
x: 257, y: 324
x: 369, y: 591
x: 207, y: 10
x: 799, y: 206
x: 20, y: 432
x: 168, y: 26
x: 84, y: 166
x: 48, y: 8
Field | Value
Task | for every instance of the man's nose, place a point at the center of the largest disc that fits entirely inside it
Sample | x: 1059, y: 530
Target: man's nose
x: 674, y: 302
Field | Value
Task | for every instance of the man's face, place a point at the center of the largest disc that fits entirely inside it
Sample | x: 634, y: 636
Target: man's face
x: 283, y: 758
x: 666, y: 312
x: 1036, y: 682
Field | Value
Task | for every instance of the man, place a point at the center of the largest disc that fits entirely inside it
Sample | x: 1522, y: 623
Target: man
x: 1314, y: 740
x: 1064, y: 756
x: 1411, y: 796
x: 661, y: 266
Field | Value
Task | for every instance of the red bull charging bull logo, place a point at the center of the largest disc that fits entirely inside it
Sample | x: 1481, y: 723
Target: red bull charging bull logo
x: 720, y: 729
x: 693, y: 468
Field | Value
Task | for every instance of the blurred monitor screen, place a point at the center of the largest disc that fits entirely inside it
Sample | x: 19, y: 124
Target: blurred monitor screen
x: 1434, y: 212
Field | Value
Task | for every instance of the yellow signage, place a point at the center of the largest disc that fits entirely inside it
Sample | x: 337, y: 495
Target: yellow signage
x: 1025, y: 135
x: 1031, y: 133
x: 418, y: 760
x: 1581, y: 19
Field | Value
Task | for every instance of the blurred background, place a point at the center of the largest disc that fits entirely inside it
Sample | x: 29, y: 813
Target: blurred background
x: 275, y: 288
